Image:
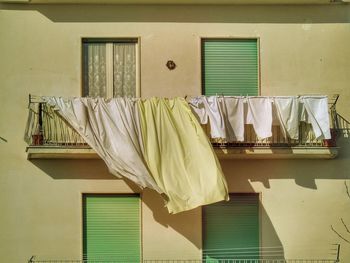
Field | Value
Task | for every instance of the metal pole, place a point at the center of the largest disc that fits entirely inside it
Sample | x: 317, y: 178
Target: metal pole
x: 338, y: 253
x: 40, y: 116
x: 32, y: 259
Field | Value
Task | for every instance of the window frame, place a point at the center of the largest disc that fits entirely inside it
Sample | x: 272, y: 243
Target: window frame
x: 132, y: 39
x: 202, y: 39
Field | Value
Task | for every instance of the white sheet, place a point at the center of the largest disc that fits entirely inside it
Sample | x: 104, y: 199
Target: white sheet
x: 112, y: 129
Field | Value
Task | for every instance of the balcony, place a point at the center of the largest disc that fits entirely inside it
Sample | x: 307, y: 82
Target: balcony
x: 50, y: 137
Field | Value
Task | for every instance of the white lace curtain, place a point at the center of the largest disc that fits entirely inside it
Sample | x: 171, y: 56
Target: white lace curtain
x: 124, y: 70
x: 110, y: 70
x: 95, y: 70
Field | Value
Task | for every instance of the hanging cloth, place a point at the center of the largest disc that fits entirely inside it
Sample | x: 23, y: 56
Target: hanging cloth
x: 199, y: 110
x: 225, y: 114
x: 260, y: 116
x: 287, y: 111
x: 111, y: 128
x: 215, y: 112
x: 315, y: 111
x: 234, y: 118
x: 179, y: 155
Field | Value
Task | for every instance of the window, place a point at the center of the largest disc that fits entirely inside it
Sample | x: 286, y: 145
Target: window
x: 231, y: 229
x: 230, y: 67
x: 110, y: 68
x: 111, y: 228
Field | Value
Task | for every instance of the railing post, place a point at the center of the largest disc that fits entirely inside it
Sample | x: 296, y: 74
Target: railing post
x: 338, y: 253
x: 38, y: 137
x: 40, y: 116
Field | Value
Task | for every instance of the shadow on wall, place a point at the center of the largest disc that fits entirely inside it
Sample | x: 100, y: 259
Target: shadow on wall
x: 97, y: 170
x: 74, y: 169
x: 271, y: 246
x: 303, y: 171
x: 335, y: 13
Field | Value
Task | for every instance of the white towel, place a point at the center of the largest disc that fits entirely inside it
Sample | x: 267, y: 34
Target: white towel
x: 260, y: 115
x: 199, y: 110
x: 287, y: 111
x: 234, y: 116
x: 315, y: 112
x: 216, y: 115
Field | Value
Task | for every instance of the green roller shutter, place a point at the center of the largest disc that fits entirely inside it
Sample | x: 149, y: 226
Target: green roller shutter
x: 230, y: 67
x: 112, y: 228
x: 231, y: 229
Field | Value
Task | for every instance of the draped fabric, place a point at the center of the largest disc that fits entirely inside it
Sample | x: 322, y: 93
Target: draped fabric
x: 95, y: 77
x: 179, y: 155
x: 111, y: 128
x: 124, y: 70
x: 156, y: 143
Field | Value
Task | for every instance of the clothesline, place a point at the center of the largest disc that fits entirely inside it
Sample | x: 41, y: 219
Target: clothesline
x: 38, y: 98
x: 231, y: 128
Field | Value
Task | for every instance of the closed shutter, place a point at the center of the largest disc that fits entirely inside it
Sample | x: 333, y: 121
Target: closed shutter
x: 230, y: 67
x: 231, y: 229
x: 112, y: 228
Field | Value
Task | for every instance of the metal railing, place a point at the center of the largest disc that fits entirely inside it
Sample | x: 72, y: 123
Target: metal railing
x: 33, y: 260
x: 46, y: 128
x: 255, y: 255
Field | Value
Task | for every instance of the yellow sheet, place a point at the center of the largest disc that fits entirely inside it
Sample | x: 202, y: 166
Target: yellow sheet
x: 179, y: 155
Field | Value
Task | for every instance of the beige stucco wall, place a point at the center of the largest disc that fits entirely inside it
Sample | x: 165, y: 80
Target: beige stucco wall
x: 303, y: 49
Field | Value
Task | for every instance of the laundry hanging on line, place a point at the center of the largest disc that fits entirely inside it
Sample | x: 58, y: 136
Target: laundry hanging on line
x: 179, y: 155
x: 315, y: 112
x: 287, y: 111
x: 156, y: 143
x: 259, y: 114
x: 262, y: 112
x: 112, y: 129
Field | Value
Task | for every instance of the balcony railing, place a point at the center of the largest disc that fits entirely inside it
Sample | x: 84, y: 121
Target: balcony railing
x: 330, y: 253
x: 33, y: 260
x: 46, y: 128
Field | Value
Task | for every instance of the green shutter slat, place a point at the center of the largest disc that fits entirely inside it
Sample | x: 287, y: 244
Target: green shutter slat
x: 112, y: 228
x: 230, y: 67
x: 231, y: 229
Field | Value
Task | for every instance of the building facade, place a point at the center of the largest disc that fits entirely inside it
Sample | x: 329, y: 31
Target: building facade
x: 298, y: 205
